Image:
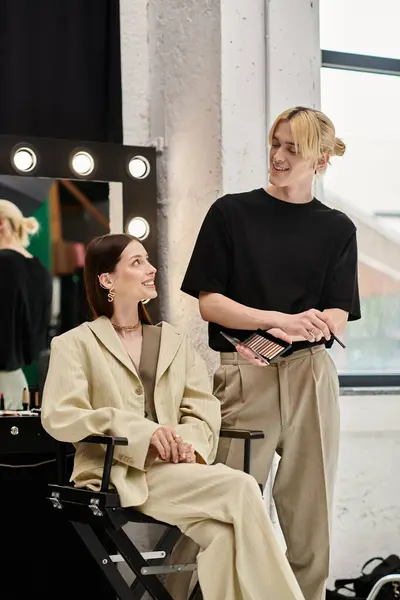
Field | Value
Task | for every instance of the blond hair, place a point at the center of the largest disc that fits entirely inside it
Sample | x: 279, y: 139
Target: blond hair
x: 22, y: 227
x: 313, y: 133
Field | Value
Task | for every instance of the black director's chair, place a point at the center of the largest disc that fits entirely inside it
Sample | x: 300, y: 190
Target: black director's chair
x: 98, y: 519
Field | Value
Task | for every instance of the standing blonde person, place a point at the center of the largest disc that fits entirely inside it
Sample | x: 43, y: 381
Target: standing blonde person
x: 276, y: 257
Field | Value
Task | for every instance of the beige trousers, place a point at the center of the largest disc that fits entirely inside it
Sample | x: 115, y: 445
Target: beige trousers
x: 295, y: 401
x: 222, y: 510
x: 12, y: 384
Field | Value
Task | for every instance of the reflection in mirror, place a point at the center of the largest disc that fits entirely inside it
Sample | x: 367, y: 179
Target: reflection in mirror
x: 78, y: 211
x: 43, y: 278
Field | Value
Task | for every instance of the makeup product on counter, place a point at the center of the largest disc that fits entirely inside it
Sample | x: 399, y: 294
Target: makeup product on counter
x: 25, y: 399
x: 34, y: 397
x: 2, y: 405
x: 264, y: 346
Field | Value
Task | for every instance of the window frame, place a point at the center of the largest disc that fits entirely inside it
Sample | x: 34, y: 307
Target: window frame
x: 360, y: 62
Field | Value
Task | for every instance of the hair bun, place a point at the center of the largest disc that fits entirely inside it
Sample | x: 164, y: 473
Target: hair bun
x: 31, y: 225
x: 339, y: 148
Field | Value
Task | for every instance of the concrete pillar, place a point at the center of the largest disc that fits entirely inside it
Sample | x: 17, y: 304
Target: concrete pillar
x: 243, y: 94
x: 135, y: 71
x: 115, y: 202
x: 293, y: 55
x: 185, y: 111
x: 194, y: 77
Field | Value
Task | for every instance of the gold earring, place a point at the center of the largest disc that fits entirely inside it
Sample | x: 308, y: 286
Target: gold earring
x: 111, y: 295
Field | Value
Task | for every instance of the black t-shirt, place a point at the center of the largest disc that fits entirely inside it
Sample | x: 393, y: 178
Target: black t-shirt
x: 274, y: 255
x: 25, y: 309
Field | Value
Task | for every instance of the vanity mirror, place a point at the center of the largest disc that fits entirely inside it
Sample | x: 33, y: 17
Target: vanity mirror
x: 78, y: 190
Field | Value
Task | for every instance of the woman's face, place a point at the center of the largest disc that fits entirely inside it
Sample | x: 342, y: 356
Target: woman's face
x: 133, y: 278
x: 287, y: 167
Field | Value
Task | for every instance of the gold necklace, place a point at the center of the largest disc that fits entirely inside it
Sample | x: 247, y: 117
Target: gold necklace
x: 126, y: 327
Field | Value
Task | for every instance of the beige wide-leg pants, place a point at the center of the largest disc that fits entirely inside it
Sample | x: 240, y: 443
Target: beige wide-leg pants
x: 12, y: 384
x: 222, y: 510
x: 295, y: 401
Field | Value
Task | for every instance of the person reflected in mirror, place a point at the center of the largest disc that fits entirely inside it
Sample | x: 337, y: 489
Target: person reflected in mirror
x: 25, y: 303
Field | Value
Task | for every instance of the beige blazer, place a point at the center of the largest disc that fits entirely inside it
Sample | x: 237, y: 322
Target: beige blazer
x: 92, y: 387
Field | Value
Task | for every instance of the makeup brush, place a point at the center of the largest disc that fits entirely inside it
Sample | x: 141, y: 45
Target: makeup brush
x: 337, y: 340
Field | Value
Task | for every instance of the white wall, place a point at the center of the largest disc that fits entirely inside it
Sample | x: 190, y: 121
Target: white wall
x: 367, y: 506
x: 186, y: 110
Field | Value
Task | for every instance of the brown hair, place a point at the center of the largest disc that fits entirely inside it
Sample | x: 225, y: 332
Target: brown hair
x: 313, y: 133
x: 102, y: 256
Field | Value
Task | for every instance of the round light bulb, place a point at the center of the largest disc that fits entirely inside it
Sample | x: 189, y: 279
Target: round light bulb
x: 24, y: 160
x: 139, y: 167
x: 139, y: 228
x: 82, y: 163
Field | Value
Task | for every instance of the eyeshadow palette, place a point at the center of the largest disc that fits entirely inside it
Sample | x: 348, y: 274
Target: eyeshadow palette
x: 265, y: 346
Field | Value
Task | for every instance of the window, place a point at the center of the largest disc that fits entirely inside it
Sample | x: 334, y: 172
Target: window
x: 360, y: 92
x: 361, y: 27
x: 365, y: 110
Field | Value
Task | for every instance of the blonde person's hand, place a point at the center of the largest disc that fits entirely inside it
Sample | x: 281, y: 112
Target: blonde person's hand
x: 250, y: 356
x: 311, y: 325
x: 165, y: 441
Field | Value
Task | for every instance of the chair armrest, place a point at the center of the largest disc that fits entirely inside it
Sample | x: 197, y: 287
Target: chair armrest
x: 108, y: 440
x: 242, y: 434
x: 248, y: 436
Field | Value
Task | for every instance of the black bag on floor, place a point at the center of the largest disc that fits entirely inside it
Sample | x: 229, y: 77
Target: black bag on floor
x: 360, y: 587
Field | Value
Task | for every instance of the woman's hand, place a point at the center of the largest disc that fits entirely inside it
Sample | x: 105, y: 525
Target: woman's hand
x: 186, y: 453
x: 170, y: 447
x: 165, y: 441
x: 250, y: 356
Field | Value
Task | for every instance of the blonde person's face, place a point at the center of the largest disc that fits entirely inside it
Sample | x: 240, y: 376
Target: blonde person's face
x: 134, y: 276
x: 287, y: 167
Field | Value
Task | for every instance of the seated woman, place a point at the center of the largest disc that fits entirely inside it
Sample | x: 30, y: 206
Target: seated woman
x: 121, y: 376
